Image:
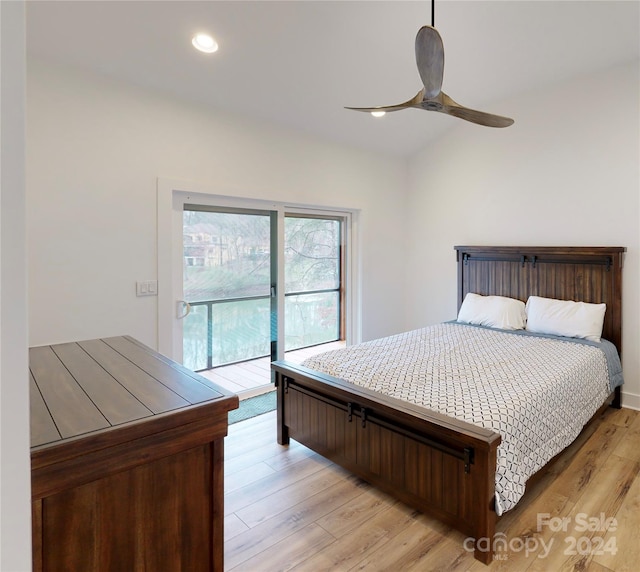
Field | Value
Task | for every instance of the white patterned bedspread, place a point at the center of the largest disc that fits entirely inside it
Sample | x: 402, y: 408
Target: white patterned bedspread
x: 538, y: 393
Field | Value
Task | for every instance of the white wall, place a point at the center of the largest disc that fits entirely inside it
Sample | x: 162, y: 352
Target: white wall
x: 566, y: 173
x: 15, y: 495
x: 94, y: 151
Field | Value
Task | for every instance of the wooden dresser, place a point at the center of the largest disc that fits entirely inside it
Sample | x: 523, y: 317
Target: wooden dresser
x: 126, y: 460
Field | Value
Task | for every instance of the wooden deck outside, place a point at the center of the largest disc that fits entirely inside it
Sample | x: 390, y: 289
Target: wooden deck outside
x: 250, y: 378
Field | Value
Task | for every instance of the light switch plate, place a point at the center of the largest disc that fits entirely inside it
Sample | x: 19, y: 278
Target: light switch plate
x: 147, y: 288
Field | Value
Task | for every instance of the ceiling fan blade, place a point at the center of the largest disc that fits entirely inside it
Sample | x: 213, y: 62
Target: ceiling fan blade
x: 411, y: 103
x: 450, y: 107
x: 430, y: 60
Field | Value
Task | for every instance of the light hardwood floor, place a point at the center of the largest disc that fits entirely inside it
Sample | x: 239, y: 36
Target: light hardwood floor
x: 287, y: 508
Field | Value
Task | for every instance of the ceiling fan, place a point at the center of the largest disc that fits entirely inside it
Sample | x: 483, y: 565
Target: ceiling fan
x: 430, y: 62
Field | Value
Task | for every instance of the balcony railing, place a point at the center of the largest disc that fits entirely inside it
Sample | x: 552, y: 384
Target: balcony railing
x: 231, y: 330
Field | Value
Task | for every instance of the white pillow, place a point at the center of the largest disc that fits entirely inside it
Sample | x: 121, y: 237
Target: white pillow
x: 493, y: 311
x: 565, y: 318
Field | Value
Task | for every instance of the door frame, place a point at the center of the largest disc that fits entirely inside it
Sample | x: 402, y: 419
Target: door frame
x: 172, y: 195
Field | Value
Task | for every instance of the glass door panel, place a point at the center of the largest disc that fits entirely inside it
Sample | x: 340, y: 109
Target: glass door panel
x: 241, y: 331
x: 227, y: 280
x: 311, y: 319
x: 195, y: 347
x: 313, y: 281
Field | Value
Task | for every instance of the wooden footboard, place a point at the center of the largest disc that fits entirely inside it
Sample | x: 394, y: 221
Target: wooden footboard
x: 435, y: 463
x: 442, y: 466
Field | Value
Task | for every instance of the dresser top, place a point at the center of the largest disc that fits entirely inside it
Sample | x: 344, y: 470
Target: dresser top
x: 80, y: 388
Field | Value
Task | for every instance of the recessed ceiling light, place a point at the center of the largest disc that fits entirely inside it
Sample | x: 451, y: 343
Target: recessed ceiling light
x: 205, y: 43
x: 378, y: 113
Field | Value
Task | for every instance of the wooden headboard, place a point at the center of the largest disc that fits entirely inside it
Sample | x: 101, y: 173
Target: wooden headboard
x: 583, y: 274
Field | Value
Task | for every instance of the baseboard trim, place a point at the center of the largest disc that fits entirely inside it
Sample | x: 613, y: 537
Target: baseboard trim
x: 631, y: 401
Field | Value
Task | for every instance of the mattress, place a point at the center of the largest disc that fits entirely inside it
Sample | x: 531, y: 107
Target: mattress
x: 536, y: 391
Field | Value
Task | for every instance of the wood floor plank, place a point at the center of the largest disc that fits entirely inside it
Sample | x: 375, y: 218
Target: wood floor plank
x: 233, y: 374
x: 447, y: 555
x: 349, y: 550
x: 579, y: 473
x: 260, y: 368
x: 291, y: 496
x: 526, y: 539
x: 246, y: 375
x: 271, y: 453
x: 595, y: 567
x: 240, y: 444
x: 354, y: 514
x: 233, y: 526
x: 624, y: 539
x: 621, y: 417
x: 247, y: 476
x: 409, y: 548
x: 222, y: 381
x: 247, y: 544
x: 248, y: 443
x: 609, y: 488
x: 298, y: 548
x: 573, y: 547
x: 269, y: 448
x: 256, y: 491
x: 600, y: 472
x: 295, y: 455
x: 629, y: 447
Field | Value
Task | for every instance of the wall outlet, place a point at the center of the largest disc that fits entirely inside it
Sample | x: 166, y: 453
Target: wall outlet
x: 147, y: 288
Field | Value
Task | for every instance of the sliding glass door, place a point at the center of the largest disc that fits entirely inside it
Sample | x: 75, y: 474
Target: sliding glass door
x: 240, y: 305
x: 229, y: 280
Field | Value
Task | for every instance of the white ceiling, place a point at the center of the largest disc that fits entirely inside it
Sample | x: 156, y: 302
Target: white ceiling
x: 297, y: 64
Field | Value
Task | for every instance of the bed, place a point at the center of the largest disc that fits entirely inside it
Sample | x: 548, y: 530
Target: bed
x: 443, y: 465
